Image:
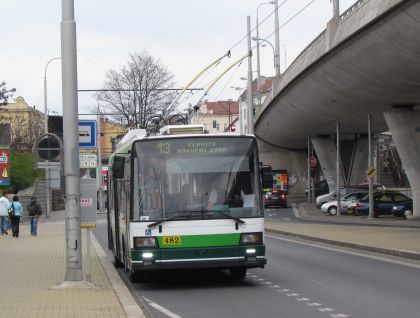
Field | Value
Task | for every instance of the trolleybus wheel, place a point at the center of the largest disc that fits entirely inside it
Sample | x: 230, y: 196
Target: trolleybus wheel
x: 136, y: 277
x: 117, y: 262
x: 238, y: 273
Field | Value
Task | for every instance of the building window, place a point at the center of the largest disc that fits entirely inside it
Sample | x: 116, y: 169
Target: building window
x: 214, y: 124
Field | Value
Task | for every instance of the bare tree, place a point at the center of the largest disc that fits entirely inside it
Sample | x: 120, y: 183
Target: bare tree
x: 24, y: 128
x: 5, y: 93
x: 139, y: 91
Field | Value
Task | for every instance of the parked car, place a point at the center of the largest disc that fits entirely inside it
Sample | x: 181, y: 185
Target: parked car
x: 345, y: 202
x: 320, y: 200
x: 403, y: 208
x: 383, y: 203
x: 275, y: 198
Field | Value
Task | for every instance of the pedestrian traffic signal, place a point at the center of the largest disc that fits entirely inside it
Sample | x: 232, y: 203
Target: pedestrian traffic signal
x: 233, y: 128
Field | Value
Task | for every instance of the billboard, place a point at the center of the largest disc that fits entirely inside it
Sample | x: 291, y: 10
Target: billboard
x: 4, y: 166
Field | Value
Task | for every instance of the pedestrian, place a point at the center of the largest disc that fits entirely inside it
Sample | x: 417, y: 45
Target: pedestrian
x: 4, y: 217
x: 17, y: 213
x: 34, y: 211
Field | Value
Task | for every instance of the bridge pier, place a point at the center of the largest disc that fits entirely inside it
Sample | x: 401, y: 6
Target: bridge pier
x: 405, y: 128
x: 354, y: 159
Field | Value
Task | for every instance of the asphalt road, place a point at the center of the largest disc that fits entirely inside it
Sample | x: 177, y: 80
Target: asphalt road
x: 302, y: 279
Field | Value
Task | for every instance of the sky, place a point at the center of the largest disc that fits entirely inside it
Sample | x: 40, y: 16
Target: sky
x: 185, y: 35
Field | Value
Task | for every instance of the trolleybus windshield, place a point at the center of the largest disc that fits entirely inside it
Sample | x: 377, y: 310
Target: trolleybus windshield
x: 195, y: 178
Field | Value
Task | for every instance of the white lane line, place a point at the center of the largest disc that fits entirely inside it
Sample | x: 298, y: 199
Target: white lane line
x: 292, y: 295
x: 276, y: 286
x: 325, y: 309
x: 339, y: 316
x: 303, y: 299
x: 378, y: 258
x: 161, y: 309
x: 313, y: 304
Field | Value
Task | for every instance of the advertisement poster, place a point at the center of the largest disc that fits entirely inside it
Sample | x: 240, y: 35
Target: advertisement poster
x: 4, y: 166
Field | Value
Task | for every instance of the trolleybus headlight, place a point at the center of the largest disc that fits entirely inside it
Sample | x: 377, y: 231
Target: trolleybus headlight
x: 144, y: 242
x: 251, y: 238
x: 251, y: 251
x: 147, y: 255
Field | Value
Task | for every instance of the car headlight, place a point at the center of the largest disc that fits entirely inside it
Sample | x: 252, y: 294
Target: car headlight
x: 397, y: 208
x: 251, y: 238
x: 139, y: 242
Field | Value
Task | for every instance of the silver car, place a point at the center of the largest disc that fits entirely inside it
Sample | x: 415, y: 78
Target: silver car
x: 346, y: 201
x: 320, y: 200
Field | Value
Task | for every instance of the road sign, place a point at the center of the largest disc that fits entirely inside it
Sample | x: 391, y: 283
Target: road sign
x: 4, y: 166
x: 87, y: 133
x: 371, y: 172
x: 313, y: 162
x: 88, y: 160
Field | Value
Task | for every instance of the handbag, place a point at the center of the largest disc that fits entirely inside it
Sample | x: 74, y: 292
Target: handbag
x: 11, y: 211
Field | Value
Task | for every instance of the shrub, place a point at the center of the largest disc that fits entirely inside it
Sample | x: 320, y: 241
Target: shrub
x: 22, y: 172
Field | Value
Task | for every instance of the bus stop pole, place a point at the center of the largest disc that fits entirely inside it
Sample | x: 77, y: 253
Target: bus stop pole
x: 88, y: 271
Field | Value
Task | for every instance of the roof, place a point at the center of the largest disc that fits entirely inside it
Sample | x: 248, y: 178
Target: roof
x: 223, y: 107
x: 266, y: 85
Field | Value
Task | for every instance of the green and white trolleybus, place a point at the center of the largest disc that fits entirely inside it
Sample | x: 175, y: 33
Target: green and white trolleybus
x: 184, y: 199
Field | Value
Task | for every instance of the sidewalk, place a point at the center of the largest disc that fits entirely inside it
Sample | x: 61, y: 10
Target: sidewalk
x: 31, y: 268
x: 387, y: 235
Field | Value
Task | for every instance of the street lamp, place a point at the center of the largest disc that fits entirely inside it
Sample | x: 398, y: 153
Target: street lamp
x: 45, y: 94
x: 258, y: 52
x: 47, y: 171
x: 266, y: 41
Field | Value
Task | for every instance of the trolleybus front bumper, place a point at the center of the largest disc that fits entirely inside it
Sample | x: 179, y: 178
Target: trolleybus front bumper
x: 214, y: 257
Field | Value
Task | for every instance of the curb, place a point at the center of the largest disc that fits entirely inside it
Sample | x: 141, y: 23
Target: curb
x: 399, y: 253
x: 126, y: 299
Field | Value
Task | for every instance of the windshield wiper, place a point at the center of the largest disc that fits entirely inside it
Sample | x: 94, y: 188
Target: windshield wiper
x: 166, y: 220
x: 228, y: 216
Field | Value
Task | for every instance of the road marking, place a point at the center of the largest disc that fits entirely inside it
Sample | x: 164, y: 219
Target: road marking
x: 313, y: 304
x: 339, y: 316
x: 161, y: 309
x: 325, y: 309
x: 378, y: 258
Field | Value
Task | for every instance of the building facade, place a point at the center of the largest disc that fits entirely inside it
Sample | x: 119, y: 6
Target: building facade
x: 217, y: 116
x: 20, y: 125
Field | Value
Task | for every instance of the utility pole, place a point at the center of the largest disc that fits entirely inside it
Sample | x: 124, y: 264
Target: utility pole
x: 336, y: 9
x: 250, y: 102
x: 277, y: 38
x: 99, y: 173
x: 370, y: 165
x: 338, y: 170
x: 74, y: 270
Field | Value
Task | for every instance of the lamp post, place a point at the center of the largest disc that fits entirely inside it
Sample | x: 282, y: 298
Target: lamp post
x: 277, y: 38
x: 47, y: 171
x: 45, y: 94
x: 258, y: 53
x: 266, y: 41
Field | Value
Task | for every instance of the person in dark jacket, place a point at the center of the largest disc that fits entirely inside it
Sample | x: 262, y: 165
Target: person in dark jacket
x: 17, y: 214
x: 34, y: 211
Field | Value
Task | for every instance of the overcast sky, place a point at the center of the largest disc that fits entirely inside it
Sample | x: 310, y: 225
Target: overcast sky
x: 186, y: 35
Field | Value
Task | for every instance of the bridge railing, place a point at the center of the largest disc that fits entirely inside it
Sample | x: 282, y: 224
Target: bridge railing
x: 354, y: 7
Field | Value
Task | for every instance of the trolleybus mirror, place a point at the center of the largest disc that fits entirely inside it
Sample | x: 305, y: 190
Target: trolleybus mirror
x: 267, y: 177
x: 118, y: 167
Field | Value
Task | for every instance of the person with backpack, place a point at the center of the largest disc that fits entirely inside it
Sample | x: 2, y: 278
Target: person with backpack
x: 16, y: 212
x: 34, y: 211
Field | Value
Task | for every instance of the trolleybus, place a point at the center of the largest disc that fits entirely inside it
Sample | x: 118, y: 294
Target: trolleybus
x: 185, y: 199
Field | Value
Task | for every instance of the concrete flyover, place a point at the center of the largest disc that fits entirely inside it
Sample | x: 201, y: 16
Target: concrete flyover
x: 365, y: 61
